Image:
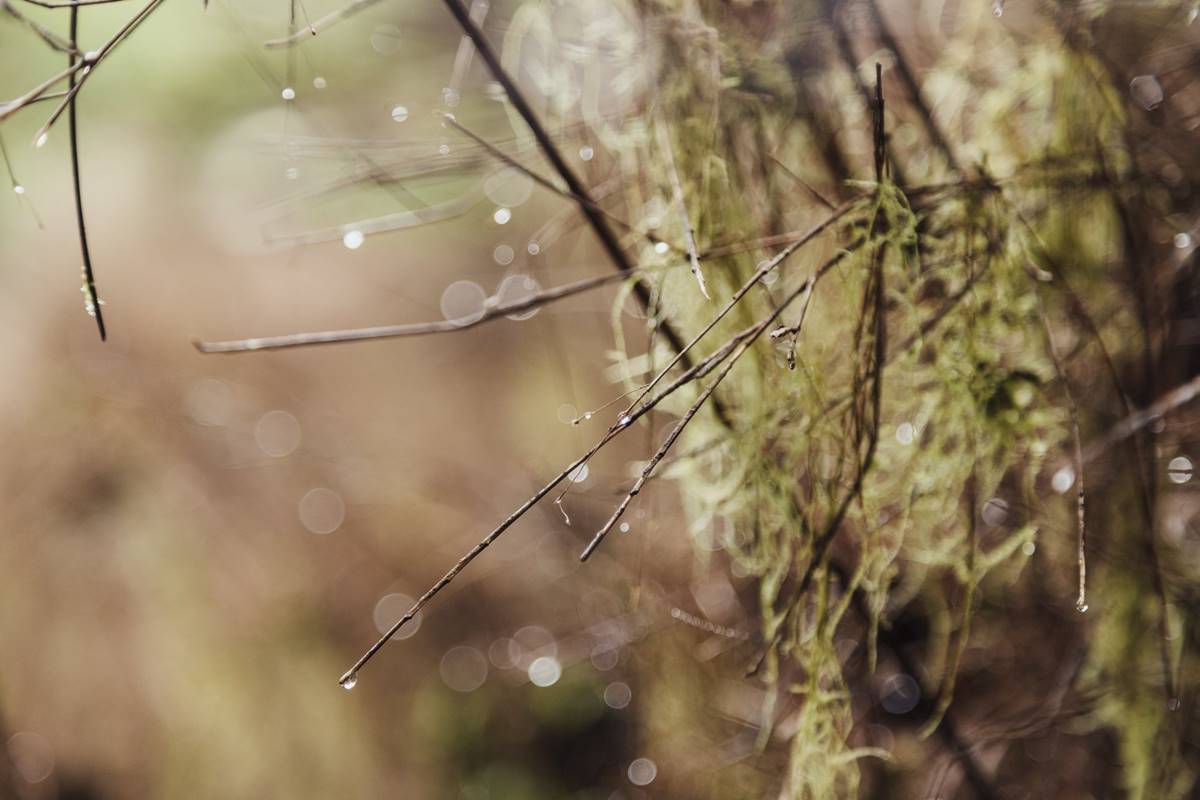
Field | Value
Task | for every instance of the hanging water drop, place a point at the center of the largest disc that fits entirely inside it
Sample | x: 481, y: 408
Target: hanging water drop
x: 19, y: 189
x: 353, y: 239
x: 41, y: 140
x: 1146, y: 91
x: 319, y: 82
x: 1081, y: 606
x: 1179, y: 470
x: 998, y: 8
x: 624, y: 527
x: 288, y: 93
x: 349, y: 681
x: 399, y: 114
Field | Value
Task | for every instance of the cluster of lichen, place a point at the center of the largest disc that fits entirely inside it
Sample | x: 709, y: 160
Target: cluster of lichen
x: 983, y: 278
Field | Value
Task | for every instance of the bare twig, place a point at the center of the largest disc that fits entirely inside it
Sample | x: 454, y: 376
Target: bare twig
x: 664, y: 143
x: 89, y: 278
x: 489, y: 313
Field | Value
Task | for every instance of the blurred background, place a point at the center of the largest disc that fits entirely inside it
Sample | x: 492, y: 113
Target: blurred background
x: 193, y: 548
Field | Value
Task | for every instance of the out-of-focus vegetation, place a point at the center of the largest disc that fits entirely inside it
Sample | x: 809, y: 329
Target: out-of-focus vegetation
x: 953, y: 349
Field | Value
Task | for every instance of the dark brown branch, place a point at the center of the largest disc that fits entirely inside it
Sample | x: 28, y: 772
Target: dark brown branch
x: 89, y: 278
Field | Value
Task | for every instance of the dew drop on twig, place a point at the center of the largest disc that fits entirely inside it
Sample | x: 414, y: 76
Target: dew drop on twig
x: 349, y: 681
x: 1146, y: 91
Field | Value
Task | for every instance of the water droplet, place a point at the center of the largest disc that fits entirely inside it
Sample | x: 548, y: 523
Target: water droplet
x: 209, y: 402
x: 579, y: 474
x: 998, y: 8
x: 625, y: 421
x: 900, y: 694
x: 534, y: 248
x: 399, y: 114
x: 353, y: 239
x: 321, y: 510
x: 508, y: 187
x: 617, y: 695
x: 288, y: 93
x: 1173, y: 704
x: 504, y: 653
x: 41, y: 140
x: 642, y: 772
x: 502, y: 216
x: 291, y: 173
x: 1029, y: 548
x: 503, y: 255
x: 463, y: 302
x: 624, y: 527
x: 1063, y: 480
x: 444, y: 149
x: 1183, y: 241
x: 19, y: 189
x: 995, y: 512
x: 385, y: 39
x: 31, y: 755
x: 605, y: 656
x: 516, y: 288
x: 319, y: 82
x: 1180, y: 469
x: 277, y: 433
x: 586, y: 153
x: 1146, y: 91
x: 545, y: 671
x: 450, y: 97
x: 464, y: 669
x: 905, y: 433
x: 349, y: 681
x: 661, y: 247
x: 1081, y: 606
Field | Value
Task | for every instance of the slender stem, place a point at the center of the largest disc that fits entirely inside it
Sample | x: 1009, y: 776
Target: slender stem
x: 413, y: 329
x: 599, y: 224
x: 89, y: 277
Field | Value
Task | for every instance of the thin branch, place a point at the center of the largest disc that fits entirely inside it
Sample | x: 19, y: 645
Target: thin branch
x: 664, y: 143
x: 89, y: 278
x: 545, y: 182
x: 1077, y: 454
x: 412, y: 329
x: 758, y: 275
x: 804, y: 289
x: 608, y: 239
x: 327, y: 21
x: 350, y: 678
